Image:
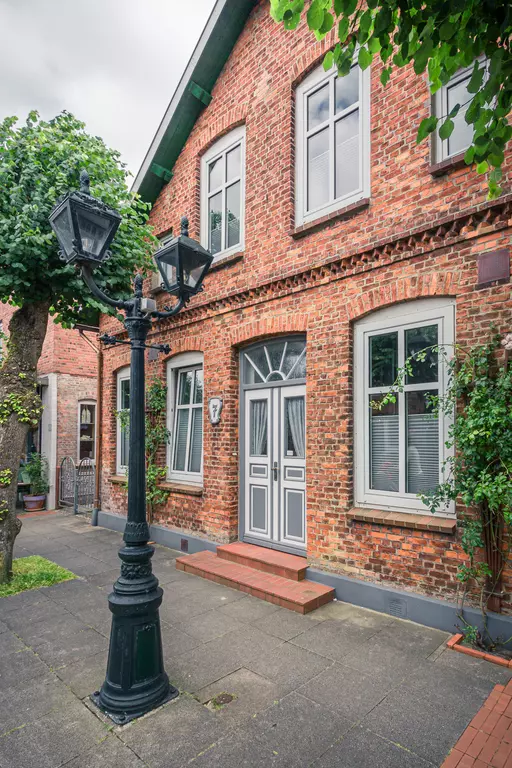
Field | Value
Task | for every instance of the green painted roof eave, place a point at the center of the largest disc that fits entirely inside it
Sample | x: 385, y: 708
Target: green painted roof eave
x: 211, y: 53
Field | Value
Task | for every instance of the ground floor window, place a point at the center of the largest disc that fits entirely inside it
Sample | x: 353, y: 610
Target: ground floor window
x: 86, y: 430
x: 400, y: 448
x: 123, y: 407
x: 185, y: 419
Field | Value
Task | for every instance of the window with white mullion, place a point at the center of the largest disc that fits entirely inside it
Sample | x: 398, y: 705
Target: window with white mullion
x: 188, y: 421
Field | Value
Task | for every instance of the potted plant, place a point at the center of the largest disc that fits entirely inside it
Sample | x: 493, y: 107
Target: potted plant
x: 36, y: 470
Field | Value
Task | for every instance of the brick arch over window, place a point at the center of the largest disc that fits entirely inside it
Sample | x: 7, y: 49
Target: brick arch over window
x: 223, y: 125
x: 312, y: 57
x: 272, y: 326
x: 407, y: 289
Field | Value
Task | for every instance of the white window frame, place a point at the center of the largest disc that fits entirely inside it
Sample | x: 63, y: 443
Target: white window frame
x: 184, y: 361
x: 440, y: 109
x: 222, y: 147
x: 400, y: 317
x: 122, y: 375
x: 87, y: 402
x: 312, y: 83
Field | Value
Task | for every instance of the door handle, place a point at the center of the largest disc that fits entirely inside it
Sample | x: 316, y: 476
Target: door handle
x: 275, y: 470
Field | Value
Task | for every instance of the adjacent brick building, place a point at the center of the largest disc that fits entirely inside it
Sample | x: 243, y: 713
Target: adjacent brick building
x: 67, y: 380
x: 333, y: 233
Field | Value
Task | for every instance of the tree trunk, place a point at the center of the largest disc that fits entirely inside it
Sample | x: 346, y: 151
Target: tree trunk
x: 20, y: 410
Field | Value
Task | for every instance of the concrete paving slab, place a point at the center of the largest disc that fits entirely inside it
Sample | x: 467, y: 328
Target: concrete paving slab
x: 288, y: 665
x: 19, y: 667
x: 473, y: 667
x: 286, y: 624
x: 250, y: 609
x: 84, y: 676
x: 45, y: 610
x: 175, y: 642
x: 352, y: 614
x: 9, y: 643
x: 253, y: 694
x: 25, y: 702
x: 111, y: 753
x: 20, y: 602
x: 208, y: 626
x: 68, y: 649
x: 364, y: 749
x: 334, y: 639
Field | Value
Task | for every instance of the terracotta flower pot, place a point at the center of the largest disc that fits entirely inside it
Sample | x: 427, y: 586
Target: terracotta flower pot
x: 34, y: 502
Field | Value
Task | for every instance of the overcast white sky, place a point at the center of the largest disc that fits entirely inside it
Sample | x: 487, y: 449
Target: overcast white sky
x: 112, y: 63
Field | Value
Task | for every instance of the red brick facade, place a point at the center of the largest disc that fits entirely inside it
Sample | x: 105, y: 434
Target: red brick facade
x: 419, y: 236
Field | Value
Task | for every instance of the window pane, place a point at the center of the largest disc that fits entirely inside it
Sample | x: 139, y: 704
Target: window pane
x: 124, y: 447
x: 180, y: 440
x: 384, y: 447
x: 196, y: 441
x: 294, y: 427
x: 422, y: 442
x: 125, y: 395
x: 258, y: 427
x: 186, y: 378
x: 256, y: 366
x: 294, y: 364
x: 417, y: 340
x: 318, y: 107
x: 318, y: 169
x: 233, y: 215
x: 383, y: 359
x: 215, y: 223
x: 462, y: 134
x: 198, y: 389
x: 86, y: 429
x: 215, y: 174
x: 347, y: 90
x: 347, y: 154
x: 233, y: 163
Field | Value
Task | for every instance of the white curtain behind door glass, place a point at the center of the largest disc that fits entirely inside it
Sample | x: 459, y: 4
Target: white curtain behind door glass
x: 258, y: 427
x: 296, y: 420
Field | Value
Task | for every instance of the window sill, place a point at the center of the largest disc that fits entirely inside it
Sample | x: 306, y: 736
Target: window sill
x: 118, y: 479
x: 224, y: 261
x: 403, y: 520
x: 188, y: 490
x: 451, y: 163
x: 341, y: 213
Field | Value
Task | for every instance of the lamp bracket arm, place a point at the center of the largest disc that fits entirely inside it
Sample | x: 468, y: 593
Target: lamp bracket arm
x: 96, y: 291
x: 170, y: 312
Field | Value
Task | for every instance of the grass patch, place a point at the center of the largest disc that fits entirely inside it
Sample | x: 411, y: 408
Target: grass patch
x: 33, y: 572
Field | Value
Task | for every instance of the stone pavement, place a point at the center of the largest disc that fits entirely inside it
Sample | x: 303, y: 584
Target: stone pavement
x: 341, y: 687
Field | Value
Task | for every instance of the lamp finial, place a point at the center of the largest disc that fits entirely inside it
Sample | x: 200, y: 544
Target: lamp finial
x: 85, y: 182
x: 184, y: 226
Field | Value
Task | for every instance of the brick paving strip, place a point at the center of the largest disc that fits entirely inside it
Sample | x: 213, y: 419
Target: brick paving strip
x: 487, y: 741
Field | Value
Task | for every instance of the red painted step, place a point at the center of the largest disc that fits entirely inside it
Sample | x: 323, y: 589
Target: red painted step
x: 264, y: 559
x: 300, y: 596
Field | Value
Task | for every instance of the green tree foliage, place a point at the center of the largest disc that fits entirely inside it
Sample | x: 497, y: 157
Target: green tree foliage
x: 39, y: 162
x: 436, y: 37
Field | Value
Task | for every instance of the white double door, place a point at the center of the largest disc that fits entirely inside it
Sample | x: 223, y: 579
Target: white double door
x: 275, y: 467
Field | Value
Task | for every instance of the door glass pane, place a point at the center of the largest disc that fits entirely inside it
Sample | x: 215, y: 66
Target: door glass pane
x: 347, y: 154
x: 422, y: 442
x: 215, y: 174
x: 233, y: 215
x: 383, y: 359
x: 198, y: 389
x: 294, y: 431
x: 294, y: 364
x: 420, y: 340
x: 318, y: 107
x: 258, y: 428
x: 196, y: 440
x: 384, y: 451
x: 180, y: 441
x: 233, y: 163
x: 215, y: 223
x: 186, y: 378
x: 318, y: 169
x: 347, y: 90
x: 462, y: 134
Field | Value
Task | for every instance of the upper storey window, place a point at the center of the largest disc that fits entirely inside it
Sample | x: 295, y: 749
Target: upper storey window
x: 223, y: 194
x: 446, y: 98
x: 333, y: 142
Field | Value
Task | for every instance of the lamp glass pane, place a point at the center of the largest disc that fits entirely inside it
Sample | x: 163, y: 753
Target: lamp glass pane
x: 94, y: 230
x: 64, y: 230
x: 168, y: 265
x: 194, y: 265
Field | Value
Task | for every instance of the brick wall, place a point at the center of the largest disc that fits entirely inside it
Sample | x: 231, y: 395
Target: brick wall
x: 419, y: 237
x: 71, y: 390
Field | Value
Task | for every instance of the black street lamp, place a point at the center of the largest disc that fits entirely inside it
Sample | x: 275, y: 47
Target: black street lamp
x: 135, y: 681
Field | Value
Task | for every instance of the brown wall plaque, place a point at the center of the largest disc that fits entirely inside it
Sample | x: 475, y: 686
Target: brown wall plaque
x: 494, y: 266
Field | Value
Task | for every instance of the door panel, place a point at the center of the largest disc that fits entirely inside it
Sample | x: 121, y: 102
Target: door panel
x: 275, y: 466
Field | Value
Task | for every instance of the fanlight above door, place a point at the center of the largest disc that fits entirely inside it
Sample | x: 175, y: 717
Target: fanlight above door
x: 275, y: 361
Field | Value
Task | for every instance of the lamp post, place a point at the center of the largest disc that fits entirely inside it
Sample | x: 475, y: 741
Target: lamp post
x: 135, y: 681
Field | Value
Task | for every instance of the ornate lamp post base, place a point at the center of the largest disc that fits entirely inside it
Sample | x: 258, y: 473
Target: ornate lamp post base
x: 136, y: 682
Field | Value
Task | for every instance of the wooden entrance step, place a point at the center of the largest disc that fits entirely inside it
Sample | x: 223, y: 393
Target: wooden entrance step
x: 300, y: 596
x: 264, y: 559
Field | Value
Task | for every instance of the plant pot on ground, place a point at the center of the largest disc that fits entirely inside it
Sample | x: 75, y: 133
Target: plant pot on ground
x: 36, y: 470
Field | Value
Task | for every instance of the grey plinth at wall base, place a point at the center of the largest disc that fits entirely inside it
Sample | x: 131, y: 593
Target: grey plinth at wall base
x: 160, y: 535
x: 407, y: 605
x: 404, y: 605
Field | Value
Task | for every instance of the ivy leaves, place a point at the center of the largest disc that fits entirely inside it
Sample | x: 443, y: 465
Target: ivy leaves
x: 437, y: 38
